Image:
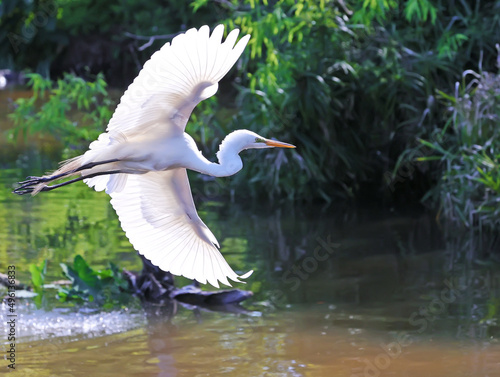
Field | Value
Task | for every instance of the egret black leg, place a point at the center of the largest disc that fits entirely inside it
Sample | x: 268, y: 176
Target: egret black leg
x: 90, y: 165
x: 28, y: 188
x: 32, y: 181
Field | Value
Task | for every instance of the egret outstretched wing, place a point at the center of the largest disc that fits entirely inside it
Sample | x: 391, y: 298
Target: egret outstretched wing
x: 142, y: 157
x: 160, y: 100
x: 175, y: 80
x: 157, y: 213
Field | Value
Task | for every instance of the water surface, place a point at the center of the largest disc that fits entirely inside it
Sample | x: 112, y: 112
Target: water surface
x: 350, y: 294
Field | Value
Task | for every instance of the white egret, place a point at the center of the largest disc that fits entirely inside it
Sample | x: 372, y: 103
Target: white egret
x: 141, y: 159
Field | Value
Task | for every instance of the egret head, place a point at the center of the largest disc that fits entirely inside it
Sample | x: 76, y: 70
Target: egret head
x: 246, y: 139
x: 238, y: 141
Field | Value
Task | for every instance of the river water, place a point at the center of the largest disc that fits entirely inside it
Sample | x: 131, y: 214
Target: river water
x: 336, y: 292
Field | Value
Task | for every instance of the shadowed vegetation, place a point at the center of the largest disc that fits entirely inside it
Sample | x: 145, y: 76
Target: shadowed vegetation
x: 467, y: 152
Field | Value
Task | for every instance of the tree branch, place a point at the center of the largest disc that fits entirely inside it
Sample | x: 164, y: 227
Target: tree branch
x: 149, y: 39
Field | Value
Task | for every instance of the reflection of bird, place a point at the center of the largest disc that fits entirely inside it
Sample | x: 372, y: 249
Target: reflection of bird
x: 141, y: 160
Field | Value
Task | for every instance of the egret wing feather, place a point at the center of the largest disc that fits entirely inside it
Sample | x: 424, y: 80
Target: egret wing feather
x: 160, y: 100
x: 176, y: 78
x: 158, y: 215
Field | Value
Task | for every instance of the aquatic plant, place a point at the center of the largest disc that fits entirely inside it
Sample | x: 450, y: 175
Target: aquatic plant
x: 106, y: 288
x: 38, y: 280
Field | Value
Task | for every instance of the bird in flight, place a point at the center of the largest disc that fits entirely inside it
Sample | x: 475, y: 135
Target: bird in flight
x: 141, y: 159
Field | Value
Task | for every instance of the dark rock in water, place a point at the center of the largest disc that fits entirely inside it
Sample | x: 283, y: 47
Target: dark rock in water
x: 7, y: 282
x: 193, y: 295
x: 153, y: 285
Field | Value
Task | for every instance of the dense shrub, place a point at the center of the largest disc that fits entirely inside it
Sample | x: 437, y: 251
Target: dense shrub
x: 354, y: 84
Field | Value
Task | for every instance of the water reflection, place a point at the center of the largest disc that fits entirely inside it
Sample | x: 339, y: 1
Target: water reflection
x: 347, y: 293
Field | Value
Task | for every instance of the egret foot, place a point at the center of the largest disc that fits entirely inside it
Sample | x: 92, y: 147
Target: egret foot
x: 28, y: 186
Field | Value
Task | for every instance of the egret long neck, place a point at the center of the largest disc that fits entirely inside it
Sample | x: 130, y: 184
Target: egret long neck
x: 229, y: 161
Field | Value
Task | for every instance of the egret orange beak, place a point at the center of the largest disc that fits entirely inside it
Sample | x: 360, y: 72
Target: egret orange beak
x: 275, y: 143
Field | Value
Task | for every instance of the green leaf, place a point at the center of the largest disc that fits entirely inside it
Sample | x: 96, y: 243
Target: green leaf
x: 82, y: 277
x: 38, y: 275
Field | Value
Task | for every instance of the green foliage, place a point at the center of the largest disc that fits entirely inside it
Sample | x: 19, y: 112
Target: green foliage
x: 35, y: 34
x: 289, y: 91
x: 105, y: 287
x: 82, y: 17
x: 38, y: 280
x: 352, y: 84
x: 420, y: 11
x: 374, y: 10
x: 468, y: 189
x: 71, y: 109
x: 28, y: 34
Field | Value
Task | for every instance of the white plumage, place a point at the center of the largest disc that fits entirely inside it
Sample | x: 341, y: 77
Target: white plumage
x: 159, y: 219
x: 164, y: 226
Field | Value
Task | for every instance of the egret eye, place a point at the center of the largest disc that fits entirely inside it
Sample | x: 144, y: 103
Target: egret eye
x: 259, y: 140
